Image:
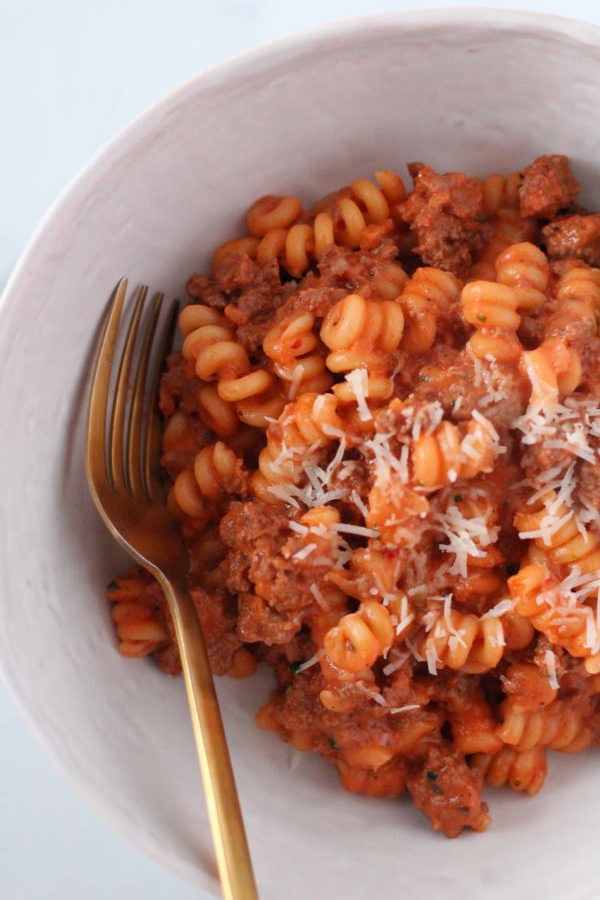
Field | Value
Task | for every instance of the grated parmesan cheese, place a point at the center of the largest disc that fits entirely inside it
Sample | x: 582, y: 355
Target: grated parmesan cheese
x: 305, y: 551
x: 331, y: 431
x: 358, y: 380
x: 550, y: 665
x: 432, y: 659
x: 359, y: 503
x: 297, y: 374
x: 404, y: 623
x: 396, y: 663
x: 316, y: 592
x: 385, y: 461
x: 425, y: 419
x: 298, y: 527
x: 414, y: 650
x: 549, y: 525
x: 358, y: 530
x: 489, y: 377
x: 284, y: 492
x: 499, y: 609
x: 559, y: 426
x: 485, y: 423
x: 461, y: 534
x: 309, y: 662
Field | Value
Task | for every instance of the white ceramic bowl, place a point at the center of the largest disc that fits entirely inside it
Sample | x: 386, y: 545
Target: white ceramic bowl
x: 462, y: 90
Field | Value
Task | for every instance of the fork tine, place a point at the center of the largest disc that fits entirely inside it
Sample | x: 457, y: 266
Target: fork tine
x: 116, y: 431
x: 153, y: 431
x: 96, y: 462
x: 134, y: 436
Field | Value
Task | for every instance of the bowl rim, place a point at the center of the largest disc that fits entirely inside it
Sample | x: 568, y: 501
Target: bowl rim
x: 264, y: 53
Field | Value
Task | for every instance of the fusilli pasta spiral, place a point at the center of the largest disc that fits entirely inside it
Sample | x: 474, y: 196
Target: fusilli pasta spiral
x: 521, y: 770
x: 138, y: 622
x: 500, y: 192
x: 447, y: 454
x: 524, y: 268
x: 427, y: 295
x: 558, y: 726
x: 295, y: 351
x: 491, y: 309
x: 578, y: 295
x: 464, y: 641
x: 360, y: 638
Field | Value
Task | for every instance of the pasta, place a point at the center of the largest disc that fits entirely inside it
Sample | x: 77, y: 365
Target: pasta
x: 508, y: 227
x: 522, y: 770
x: 524, y: 267
x: 465, y: 642
x: 360, y: 638
x: 558, y: 726
x: 382, y: 448
x: 428, y: 293
x: 447, y: 453
x: 295, y: 351
x: 138, y: 625
x: 491, y: 309
x: 501, y: 193
x: 578, y: 296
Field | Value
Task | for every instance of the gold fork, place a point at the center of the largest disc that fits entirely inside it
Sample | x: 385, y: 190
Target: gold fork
x: 122, y: 449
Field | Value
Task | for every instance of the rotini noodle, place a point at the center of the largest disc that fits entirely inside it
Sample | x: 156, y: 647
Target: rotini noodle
x: 447, y: 454
x: 524, y: 268
x: 501, y: 193
x: 428, y: 293
x: 138, y: 623
x: 465, y: 642
x: 558, y: 726
x: 578, y: 295
x: 491, y: 309
x: 521, y: 770
x: 295, y: 351
x: 360, y: 637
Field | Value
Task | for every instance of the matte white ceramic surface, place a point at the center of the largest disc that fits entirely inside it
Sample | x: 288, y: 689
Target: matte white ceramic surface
x: 475, y: 91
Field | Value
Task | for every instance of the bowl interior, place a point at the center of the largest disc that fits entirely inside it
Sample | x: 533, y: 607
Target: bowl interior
x: 464, y: 91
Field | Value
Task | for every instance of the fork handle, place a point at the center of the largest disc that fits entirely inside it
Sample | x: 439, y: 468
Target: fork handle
x: 231, y: 847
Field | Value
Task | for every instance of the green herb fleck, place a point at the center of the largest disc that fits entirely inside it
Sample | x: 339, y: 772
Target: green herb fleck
x: 481, y: 317
x: 333, y: 743
x: 295, y: 666
x: 431, y: 776
x: 458, y: 498
x: 512, y: 568
x: 113, y: 586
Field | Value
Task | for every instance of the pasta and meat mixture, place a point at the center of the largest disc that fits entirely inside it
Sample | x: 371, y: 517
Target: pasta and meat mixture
x: 382, y: 446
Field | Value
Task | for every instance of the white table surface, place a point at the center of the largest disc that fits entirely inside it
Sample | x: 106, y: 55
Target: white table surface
x: 72, y: 73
